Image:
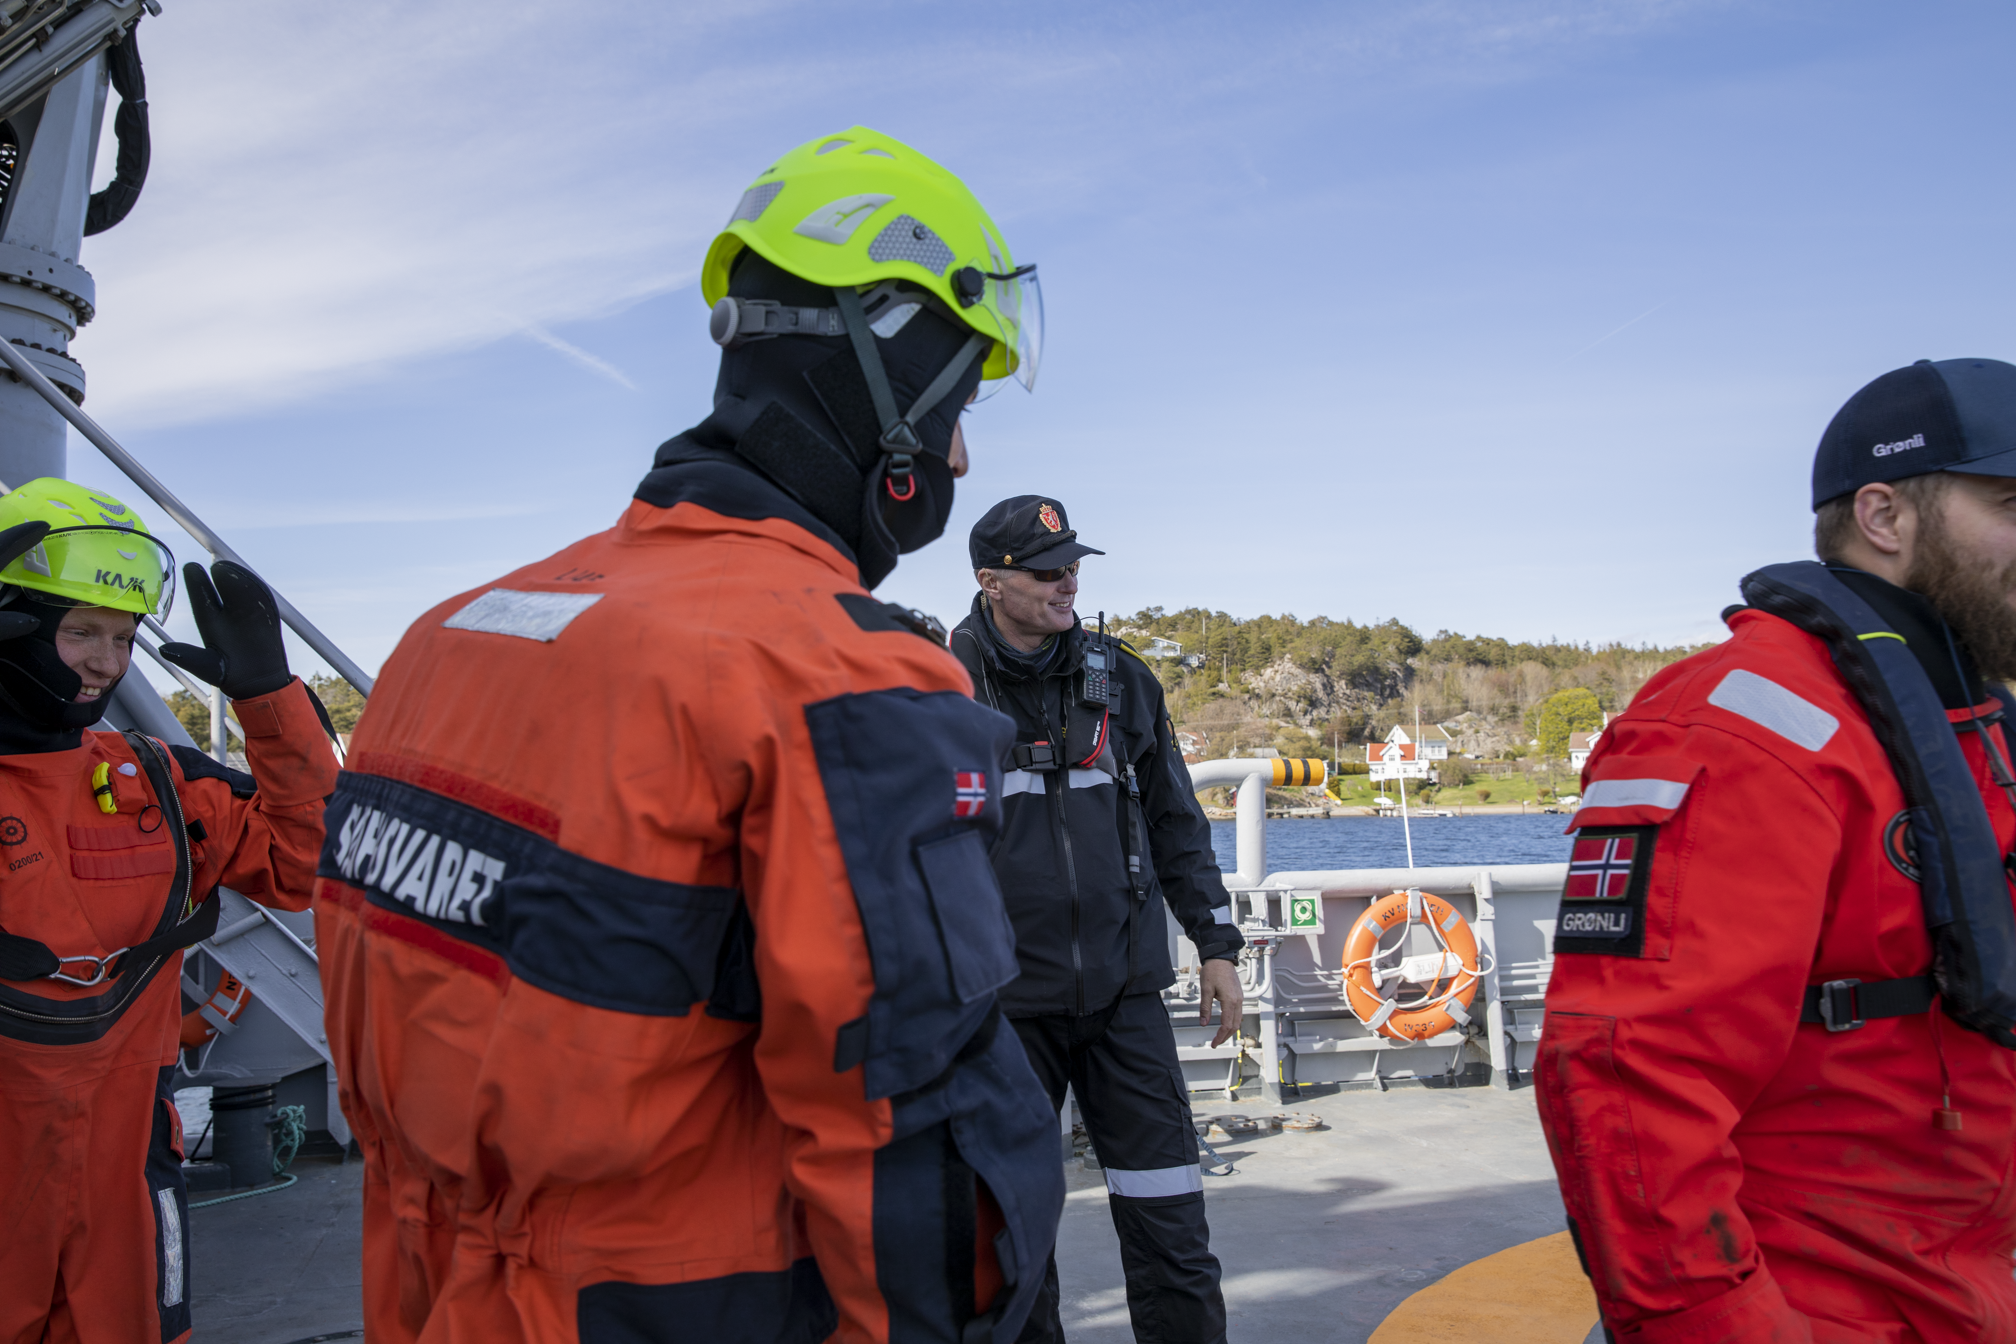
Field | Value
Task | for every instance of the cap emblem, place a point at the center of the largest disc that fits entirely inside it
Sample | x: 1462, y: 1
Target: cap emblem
x: 1048, y: 517
x: 1886, y: 449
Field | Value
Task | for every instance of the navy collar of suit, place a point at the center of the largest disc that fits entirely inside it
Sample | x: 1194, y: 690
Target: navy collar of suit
x: 1925, y: 633
x: 693, y: 469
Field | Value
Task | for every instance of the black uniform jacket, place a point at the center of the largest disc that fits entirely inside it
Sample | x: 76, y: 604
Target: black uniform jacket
x: 1097, y: 824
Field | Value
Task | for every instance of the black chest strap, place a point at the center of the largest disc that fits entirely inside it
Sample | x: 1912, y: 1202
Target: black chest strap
x: 1843, y: 1005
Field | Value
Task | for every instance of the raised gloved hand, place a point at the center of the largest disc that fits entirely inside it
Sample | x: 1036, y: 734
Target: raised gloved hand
x: 16, y: 542
x: 240, y: 624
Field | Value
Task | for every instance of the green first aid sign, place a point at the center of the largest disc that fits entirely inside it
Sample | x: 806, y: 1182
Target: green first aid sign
x: 1305, y: 914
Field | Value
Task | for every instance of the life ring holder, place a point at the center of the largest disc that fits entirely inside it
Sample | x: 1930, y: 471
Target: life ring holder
x: 220, y: 1014
x: 1446, y: 1003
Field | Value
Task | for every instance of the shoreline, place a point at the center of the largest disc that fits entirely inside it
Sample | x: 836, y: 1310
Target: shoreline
x: 1353, y: 810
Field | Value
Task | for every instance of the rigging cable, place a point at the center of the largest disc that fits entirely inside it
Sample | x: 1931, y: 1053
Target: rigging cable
x: 129, y: 173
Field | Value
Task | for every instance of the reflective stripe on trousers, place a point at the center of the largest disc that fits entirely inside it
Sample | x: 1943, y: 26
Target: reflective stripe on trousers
x: 1157, y: 1184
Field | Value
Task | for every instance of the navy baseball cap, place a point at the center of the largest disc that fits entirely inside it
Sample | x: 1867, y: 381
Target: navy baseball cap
x: 1955, y: 415
x: 1026, y: 532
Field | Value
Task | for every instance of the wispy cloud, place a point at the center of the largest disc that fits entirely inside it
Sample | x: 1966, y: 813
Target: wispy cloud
x: 366, y: 512
x: 420, y: 172
x: 1616, y: 330
x: 593, y: 363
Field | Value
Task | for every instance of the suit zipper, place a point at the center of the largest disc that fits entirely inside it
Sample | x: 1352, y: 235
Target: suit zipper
x: 1063, y: 777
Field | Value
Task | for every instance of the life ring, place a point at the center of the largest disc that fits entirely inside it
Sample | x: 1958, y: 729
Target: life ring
x: 1451, y: 973
x: 227, y: 1003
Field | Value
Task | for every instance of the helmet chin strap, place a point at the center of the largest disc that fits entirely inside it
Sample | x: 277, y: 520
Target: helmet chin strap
x: 899, y: 431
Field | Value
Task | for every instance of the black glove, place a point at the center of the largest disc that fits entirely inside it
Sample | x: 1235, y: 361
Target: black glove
x: 16, y: 542
x: 240, y: 623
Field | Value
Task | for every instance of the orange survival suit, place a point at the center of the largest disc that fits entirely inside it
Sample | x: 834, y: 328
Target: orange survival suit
x: 1731, y: 1171
x: 94, y: 1240
x: 660, y: 946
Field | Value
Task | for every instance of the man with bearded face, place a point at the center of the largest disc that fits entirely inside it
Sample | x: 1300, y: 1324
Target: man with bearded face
x: 656, y: 923
x: 114, y: 846
x: 1777, y: 1074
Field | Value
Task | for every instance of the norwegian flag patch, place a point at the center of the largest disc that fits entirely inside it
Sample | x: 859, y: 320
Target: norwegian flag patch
x: 1603, y: 902
x: 969, y: 793
x: 1599, y: 869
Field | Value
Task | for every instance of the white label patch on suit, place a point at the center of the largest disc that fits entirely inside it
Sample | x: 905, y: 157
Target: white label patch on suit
x: 1666, y: 793
x: 1765, y: 702
x: 540, y: 616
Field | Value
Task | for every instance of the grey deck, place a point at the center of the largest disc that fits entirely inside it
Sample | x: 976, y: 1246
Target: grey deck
x: 282, y: 1266
x: 1321, y: 1234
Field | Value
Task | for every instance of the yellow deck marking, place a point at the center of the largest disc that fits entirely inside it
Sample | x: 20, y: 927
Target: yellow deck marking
x: 1529, y: 1294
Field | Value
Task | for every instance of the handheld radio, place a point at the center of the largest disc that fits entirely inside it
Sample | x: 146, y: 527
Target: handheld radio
x: 1095, y: 683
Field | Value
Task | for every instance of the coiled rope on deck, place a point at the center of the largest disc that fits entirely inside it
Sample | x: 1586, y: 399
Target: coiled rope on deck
x: 292, y: 1123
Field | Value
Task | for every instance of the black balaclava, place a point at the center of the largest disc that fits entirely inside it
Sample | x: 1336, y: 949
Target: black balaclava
x: 799, y: 410
x: 38, y: 691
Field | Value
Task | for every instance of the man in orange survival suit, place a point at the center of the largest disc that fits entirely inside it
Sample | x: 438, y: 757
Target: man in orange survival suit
x: 658, y: 931
x: 114, y: 848
x: 1779, y: 1097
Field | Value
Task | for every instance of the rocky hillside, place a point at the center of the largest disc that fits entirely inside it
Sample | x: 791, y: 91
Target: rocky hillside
x: 1299, y: 686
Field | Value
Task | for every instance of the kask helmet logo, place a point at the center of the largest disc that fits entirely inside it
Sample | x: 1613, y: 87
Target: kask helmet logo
x: 1047, y: 515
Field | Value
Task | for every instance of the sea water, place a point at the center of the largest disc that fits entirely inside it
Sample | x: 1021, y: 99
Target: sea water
x: 1306, y: 844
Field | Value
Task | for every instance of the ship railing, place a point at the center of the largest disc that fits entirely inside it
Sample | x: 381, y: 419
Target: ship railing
x: 270, y: 951
x: 1300, y: 1028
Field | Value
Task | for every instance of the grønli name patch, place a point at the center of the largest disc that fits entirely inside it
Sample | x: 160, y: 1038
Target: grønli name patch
x: 1603, y: 903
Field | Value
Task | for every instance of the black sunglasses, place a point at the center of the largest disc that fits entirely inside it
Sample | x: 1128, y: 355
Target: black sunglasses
x: 1047, y: 575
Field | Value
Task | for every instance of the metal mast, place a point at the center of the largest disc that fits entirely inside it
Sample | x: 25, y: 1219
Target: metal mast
x: 53, y: 91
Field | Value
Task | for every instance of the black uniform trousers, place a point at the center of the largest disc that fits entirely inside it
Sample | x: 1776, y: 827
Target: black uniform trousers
x: 1121, y: 1065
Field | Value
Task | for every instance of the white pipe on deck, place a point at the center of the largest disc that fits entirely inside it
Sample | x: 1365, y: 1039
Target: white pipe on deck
x: 1252, y: 776
x: 1212, y: 774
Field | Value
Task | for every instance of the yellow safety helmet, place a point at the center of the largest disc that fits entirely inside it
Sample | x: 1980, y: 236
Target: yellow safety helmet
x: 859, y: 207
x: 97, y: 553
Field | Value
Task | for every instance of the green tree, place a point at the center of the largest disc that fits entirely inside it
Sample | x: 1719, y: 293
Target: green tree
x: 194, y: 718
x: 1565, y: 712
x: 340, y: 698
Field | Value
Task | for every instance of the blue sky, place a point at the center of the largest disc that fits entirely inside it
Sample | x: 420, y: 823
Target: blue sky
x: 1510, y: 318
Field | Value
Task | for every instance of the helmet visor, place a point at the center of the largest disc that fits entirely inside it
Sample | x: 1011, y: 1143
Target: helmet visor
x: 1013, y: 300
x: 116, y: 567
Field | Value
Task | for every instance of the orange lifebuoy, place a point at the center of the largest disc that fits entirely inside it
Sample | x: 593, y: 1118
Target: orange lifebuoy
x: 228, y: 1003
x: 1453, y: 964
